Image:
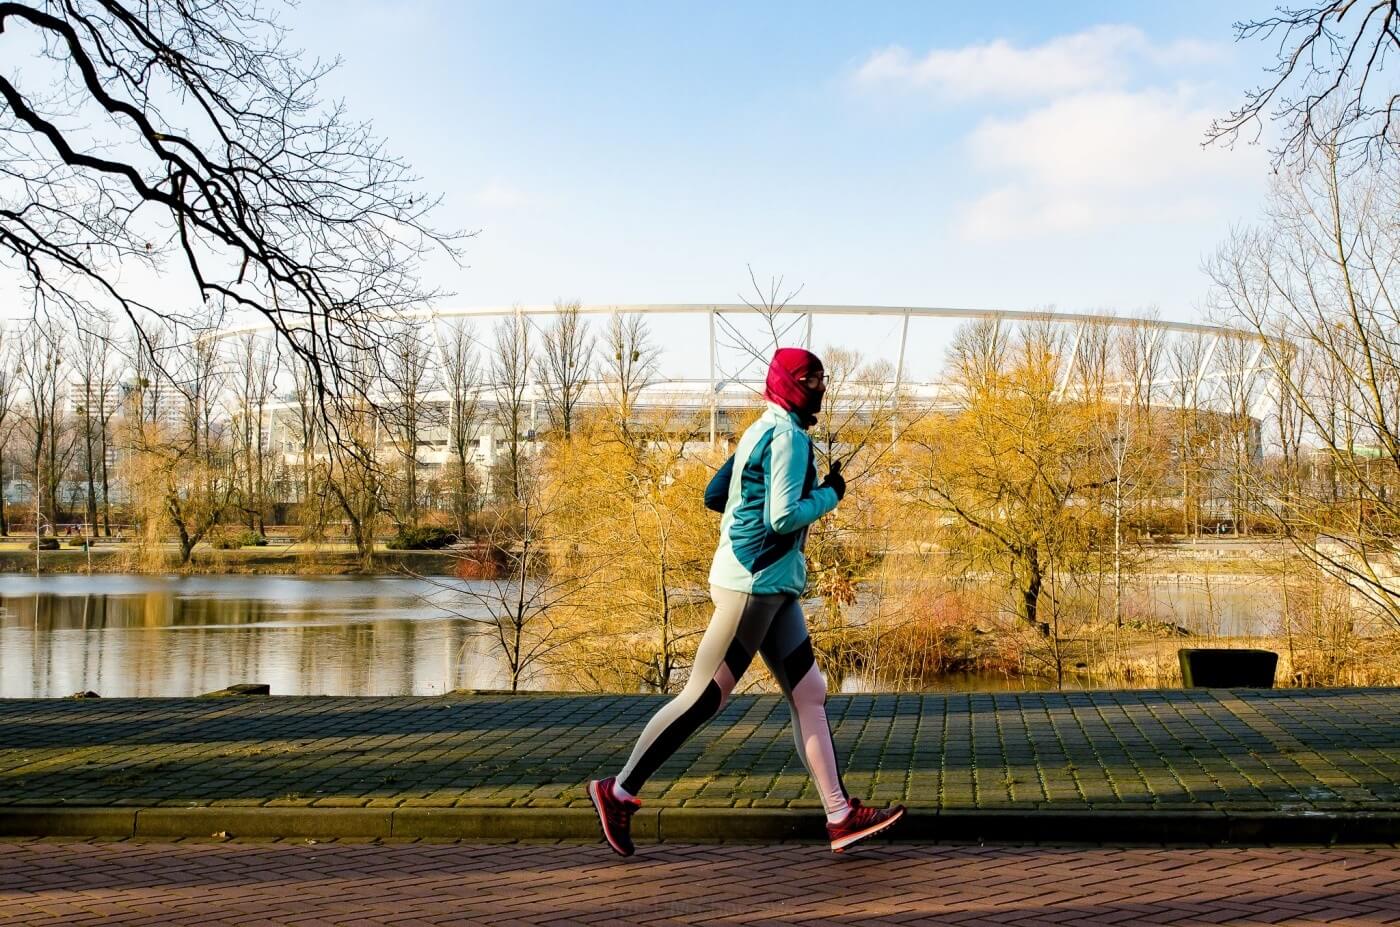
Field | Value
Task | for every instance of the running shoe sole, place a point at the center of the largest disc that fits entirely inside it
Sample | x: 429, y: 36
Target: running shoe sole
x: 597, y: 801
x: 839, y: 846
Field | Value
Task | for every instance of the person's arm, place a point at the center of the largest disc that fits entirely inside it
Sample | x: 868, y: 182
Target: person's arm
x: 717, y: 493
x: 788, y: 509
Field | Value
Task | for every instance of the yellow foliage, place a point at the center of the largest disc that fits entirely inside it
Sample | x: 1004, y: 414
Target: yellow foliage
x: 630, y: 517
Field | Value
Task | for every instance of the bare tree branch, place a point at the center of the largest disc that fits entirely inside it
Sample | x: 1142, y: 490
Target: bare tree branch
x: 1327, y: 79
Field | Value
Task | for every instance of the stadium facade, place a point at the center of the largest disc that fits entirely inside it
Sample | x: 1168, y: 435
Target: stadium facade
x: 712, y: 359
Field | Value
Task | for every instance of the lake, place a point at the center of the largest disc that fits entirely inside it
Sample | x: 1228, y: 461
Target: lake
x: 130, y: 635
x: 123, y: 635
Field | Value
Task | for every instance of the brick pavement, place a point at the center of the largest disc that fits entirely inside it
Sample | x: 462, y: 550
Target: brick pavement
x: 253, y: 884
x: 1246, y: 750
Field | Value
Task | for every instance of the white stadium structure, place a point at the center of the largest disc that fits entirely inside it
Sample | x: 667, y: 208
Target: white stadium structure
x: 708, y: 362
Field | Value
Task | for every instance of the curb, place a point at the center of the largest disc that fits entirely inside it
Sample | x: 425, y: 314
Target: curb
x: 707, y: 825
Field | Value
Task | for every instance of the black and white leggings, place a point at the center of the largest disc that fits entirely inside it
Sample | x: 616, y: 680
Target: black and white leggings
x: 772, y: 625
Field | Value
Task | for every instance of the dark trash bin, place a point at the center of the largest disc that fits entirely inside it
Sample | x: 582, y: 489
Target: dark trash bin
x: 1217, y: 668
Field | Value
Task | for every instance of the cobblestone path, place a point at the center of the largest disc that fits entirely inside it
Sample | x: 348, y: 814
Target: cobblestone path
x: 253, y: 885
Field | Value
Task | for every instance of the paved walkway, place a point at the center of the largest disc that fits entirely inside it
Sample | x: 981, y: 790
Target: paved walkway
x: 1304, y: 754
x: 251, y: 885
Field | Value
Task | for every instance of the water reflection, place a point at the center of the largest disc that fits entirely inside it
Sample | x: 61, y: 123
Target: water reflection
x: 349, y: 635
x: 1233, y: 606
x: 179, y: 636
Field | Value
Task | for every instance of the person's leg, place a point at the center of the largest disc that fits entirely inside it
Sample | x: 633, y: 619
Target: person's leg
x: 787, y: 649
x: 739, y: 624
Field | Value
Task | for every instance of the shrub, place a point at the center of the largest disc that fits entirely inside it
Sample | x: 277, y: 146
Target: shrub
x: 77, y: 540
x: 936, y: 632
x: 44, y: 544
x: 426, y: 538
x: 252, y: 539
x: 482, y: 561
x: 225, y: 542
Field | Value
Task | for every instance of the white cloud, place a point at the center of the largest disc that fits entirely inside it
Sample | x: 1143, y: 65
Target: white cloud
x: 1090, y: 130
x: 1099, y: 159
x: 1096, y: 58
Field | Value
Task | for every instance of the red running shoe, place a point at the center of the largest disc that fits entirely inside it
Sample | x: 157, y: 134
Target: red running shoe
x: 614, y: 814
x: 862, y: 822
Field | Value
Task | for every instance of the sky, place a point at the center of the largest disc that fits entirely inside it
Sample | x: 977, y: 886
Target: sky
x: 1015, y: 155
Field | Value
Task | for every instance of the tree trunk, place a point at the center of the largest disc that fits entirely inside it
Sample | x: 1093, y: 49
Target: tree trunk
x: 1028, y: 607
x: 106, y: 493
x: 91, y: 477
x: 260, y: 474
x: 364, y: 545
x: 186, y: 542
x: 39, y: 495
x: 51, y: 483
x: 364, y: 541
x: 1118, y: 551
x: 463, y: 504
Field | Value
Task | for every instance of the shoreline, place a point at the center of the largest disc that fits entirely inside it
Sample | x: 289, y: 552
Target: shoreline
x: 1184, y: 562
x: 257, y: 561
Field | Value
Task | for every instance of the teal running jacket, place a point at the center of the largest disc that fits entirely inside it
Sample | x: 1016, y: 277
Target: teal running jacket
x: 771, y: 498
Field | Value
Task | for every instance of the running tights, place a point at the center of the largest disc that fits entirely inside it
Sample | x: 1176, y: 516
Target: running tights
x: 772, y: 625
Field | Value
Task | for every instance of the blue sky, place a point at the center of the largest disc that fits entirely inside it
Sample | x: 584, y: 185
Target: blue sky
x: 997, y: 156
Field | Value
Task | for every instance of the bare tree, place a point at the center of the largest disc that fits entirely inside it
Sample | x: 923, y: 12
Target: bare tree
x: 350, y: 475
x: 461, y: 374
x: 769, y: 303
x: 309, y: 438
x: 564, y: 368
x: 859, y: 417
x: 7, y: 417
x: 628, y: 364
x: 1185, y: 356
x: 1318, y: 284
x: 92, y: 385
x: 1129, y: 435
x: 511, y: 364
x: 149, y: 394
x: 109, y: 384
x: 253, y: 372
x: 408, y: 378
x: 1327, y: 86
x: 198, y: 380
x: 1237, y: 389
x: 523, y: 609
x: 188, y: 139
x: 40, y: 364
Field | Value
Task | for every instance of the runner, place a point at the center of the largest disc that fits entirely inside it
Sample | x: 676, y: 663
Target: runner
x: 755, y: 580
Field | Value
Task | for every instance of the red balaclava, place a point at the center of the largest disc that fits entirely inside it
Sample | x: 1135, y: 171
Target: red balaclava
x: 786, y: 387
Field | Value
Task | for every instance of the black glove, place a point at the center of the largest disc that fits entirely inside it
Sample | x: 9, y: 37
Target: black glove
x: 836, y: 481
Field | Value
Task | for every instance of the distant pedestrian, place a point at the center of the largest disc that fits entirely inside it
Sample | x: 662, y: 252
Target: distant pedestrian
x: 769, y: 494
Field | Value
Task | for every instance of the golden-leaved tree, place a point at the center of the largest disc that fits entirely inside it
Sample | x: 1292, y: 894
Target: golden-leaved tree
x: 631, y: 518
x: 178, y: 464
x: 1010, y: 475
